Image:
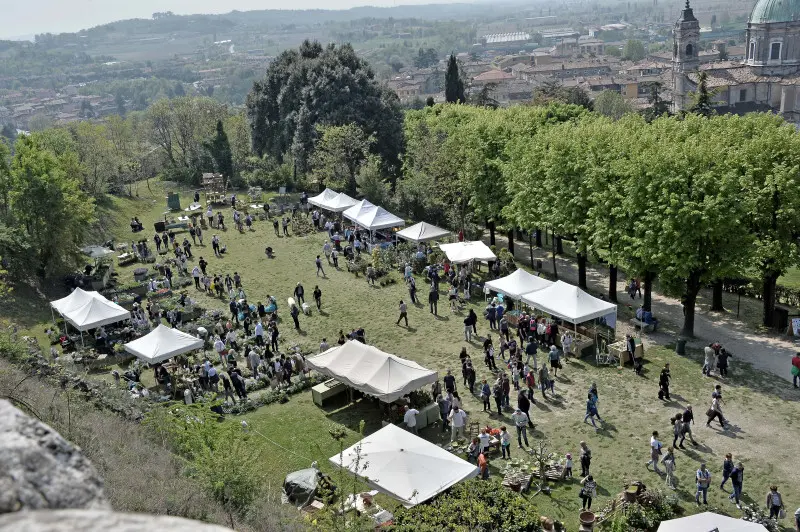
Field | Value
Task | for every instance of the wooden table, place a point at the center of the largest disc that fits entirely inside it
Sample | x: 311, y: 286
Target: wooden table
x: 620, y: 350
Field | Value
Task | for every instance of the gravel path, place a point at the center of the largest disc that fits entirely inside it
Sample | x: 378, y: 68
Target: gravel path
x: 768, y: 353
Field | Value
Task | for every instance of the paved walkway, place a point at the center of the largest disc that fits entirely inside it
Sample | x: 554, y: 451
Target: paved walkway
x: 768, y: 353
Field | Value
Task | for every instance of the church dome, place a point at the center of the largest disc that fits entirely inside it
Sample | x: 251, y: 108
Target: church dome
x: 767, y: 11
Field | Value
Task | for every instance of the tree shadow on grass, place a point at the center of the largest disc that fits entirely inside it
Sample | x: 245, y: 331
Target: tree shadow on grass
x: 352, y: 414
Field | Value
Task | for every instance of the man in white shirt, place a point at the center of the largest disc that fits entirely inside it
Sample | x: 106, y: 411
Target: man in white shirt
x: 521, y: 421
x: 323, y: 345
x: 259, y: 332
x: 219, y: 347
x: 410, y: 419
x: 231, y: 339
x: 655, y: 452
x: 457, y: 419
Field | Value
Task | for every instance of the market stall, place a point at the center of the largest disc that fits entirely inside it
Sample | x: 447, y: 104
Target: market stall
x: 422, y: 232
x: 710, y: 521
x: 404, y: 466
x: 333, y: 201
x: 163, y: 343
x: 98, y: 311
x: 571, y: 304
x: 371, y: 371
x: 463, y: 252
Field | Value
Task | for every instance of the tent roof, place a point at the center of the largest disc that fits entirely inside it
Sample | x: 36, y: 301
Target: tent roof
x: 75, y: 300
x: 163, y: 343
x: 372, y: 216
x: 404, y: 465
x: 98, y: 311
x: 709, y: 522
x: 518, y: 283
x: 371, y: 371
x: 461, y: 252
x: 568, y: 302
x: 422, y: 232
x: 331, y: 200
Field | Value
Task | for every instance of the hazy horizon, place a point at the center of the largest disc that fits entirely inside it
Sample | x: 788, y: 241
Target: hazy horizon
x: 59, y: 16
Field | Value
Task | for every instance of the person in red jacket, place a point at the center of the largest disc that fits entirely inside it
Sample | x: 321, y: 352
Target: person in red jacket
x: 795, y: 369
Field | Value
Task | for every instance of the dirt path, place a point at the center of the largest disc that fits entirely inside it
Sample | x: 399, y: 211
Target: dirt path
x: 767, y: 353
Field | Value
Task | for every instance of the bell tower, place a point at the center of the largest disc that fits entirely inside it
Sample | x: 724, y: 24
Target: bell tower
x: 686, y: 37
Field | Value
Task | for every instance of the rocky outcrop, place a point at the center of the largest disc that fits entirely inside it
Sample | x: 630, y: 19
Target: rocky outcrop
x: 98, y: 520
x: 41, y: 470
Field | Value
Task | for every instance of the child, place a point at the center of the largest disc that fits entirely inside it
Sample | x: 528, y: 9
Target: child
x: 568, y: 466
x: 483, y: 465
x: 505, y: 444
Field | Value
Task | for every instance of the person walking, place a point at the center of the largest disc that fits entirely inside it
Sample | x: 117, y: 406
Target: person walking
x: 521, y: 420
x: 318, y: 297
x: 295, y: 313
x: 457, y: 419
x: 525, y: 405
x: 468, y: 329
x: 585, y: 458
x: 774, y: 502
x: 588, y: 491
x: 669, y: 467
x: 544, y: 380
x: 703, y: 479
x: 505, y: 442
x: 591, y: 411
x: 299, y: 293
x: 433, y: 298
x: 497, y: 393
x: 410, y: 419
x: 663, y: 383
x: 196, y: 277
x: 796, y: 369
x: 722, y: 362
x: 449, y: 382
x: 709, y: 356
x: 715, y: 412
x: 486, y: 394
x: 737, y: 479
x: 655, y: 452
x: 677, y: 428
x: 727, y: 468
x: 555, y: 360
x: 412, y: 290
x: 471, y: 376
x: 318, y: 262
x: 530, y: 382
x: 491, y: 315
x: 403, y: 313
x: 444, y: 409
x: 688, y: 419
x: 530, y: 351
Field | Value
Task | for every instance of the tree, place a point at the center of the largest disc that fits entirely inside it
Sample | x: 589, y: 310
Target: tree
x: 613, y: 51
x: 330, y: 86
x: 484, y: 97
x: 552, y: 91
x: 658, y: 106
x: 702, y: 104
x: 370, y: 183
x: 426, y: 58
x: 96, y: 155
x: 219, y: 149
x: 430, y: 102
x: 634, y: 50
x: 9, y: 132
x: 612, y: 105
x: 340, y: 152
x: 453, y: 83
x: 47, y: 206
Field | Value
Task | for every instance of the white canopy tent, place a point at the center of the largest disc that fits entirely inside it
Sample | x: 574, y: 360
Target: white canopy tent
x: 371, y: 371
x: 709, y: 522
x: 404, y: 466
x: 163, y: 343
x: 569, y: 303
x: 97, y: 252
x: 74, y: 301
x: 422, y: 232
x: 461, y: 252
x: 330, y: 200
x: 98, y: 311
x: 519, y: 283
x: 372, y: 217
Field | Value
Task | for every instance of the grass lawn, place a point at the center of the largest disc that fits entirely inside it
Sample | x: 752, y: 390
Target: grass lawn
x: 764, y: 414
x: 791, y: 279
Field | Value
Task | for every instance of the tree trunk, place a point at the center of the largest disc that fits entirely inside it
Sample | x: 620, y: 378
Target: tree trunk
x: 530, y: 246
x: 492, y: 228
x: 559, y: 245
x: 582, y: 270
x: 690, y: 301
x: 553, y: 255
x: 648, y: 292
x: 511, y: 241
x: 716, y: 296
x: 770, y: 280
x: 538, y: 237
x: 612, y: 283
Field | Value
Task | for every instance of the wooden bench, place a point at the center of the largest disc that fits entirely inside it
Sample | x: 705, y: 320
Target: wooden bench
x: 647, y: 327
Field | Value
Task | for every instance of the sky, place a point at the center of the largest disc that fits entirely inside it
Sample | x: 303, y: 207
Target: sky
x: 28, y: 17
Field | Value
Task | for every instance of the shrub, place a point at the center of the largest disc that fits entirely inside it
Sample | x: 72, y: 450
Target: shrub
x: 473, y: 505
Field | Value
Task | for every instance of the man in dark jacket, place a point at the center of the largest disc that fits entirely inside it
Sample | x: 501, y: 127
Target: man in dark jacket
x: 525, y: 405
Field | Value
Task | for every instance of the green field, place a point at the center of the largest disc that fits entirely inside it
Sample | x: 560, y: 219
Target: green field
x: 764, y: 413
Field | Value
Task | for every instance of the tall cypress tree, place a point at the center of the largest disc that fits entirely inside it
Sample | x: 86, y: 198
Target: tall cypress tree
x: 453, y: 84
x: 220, y: 150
